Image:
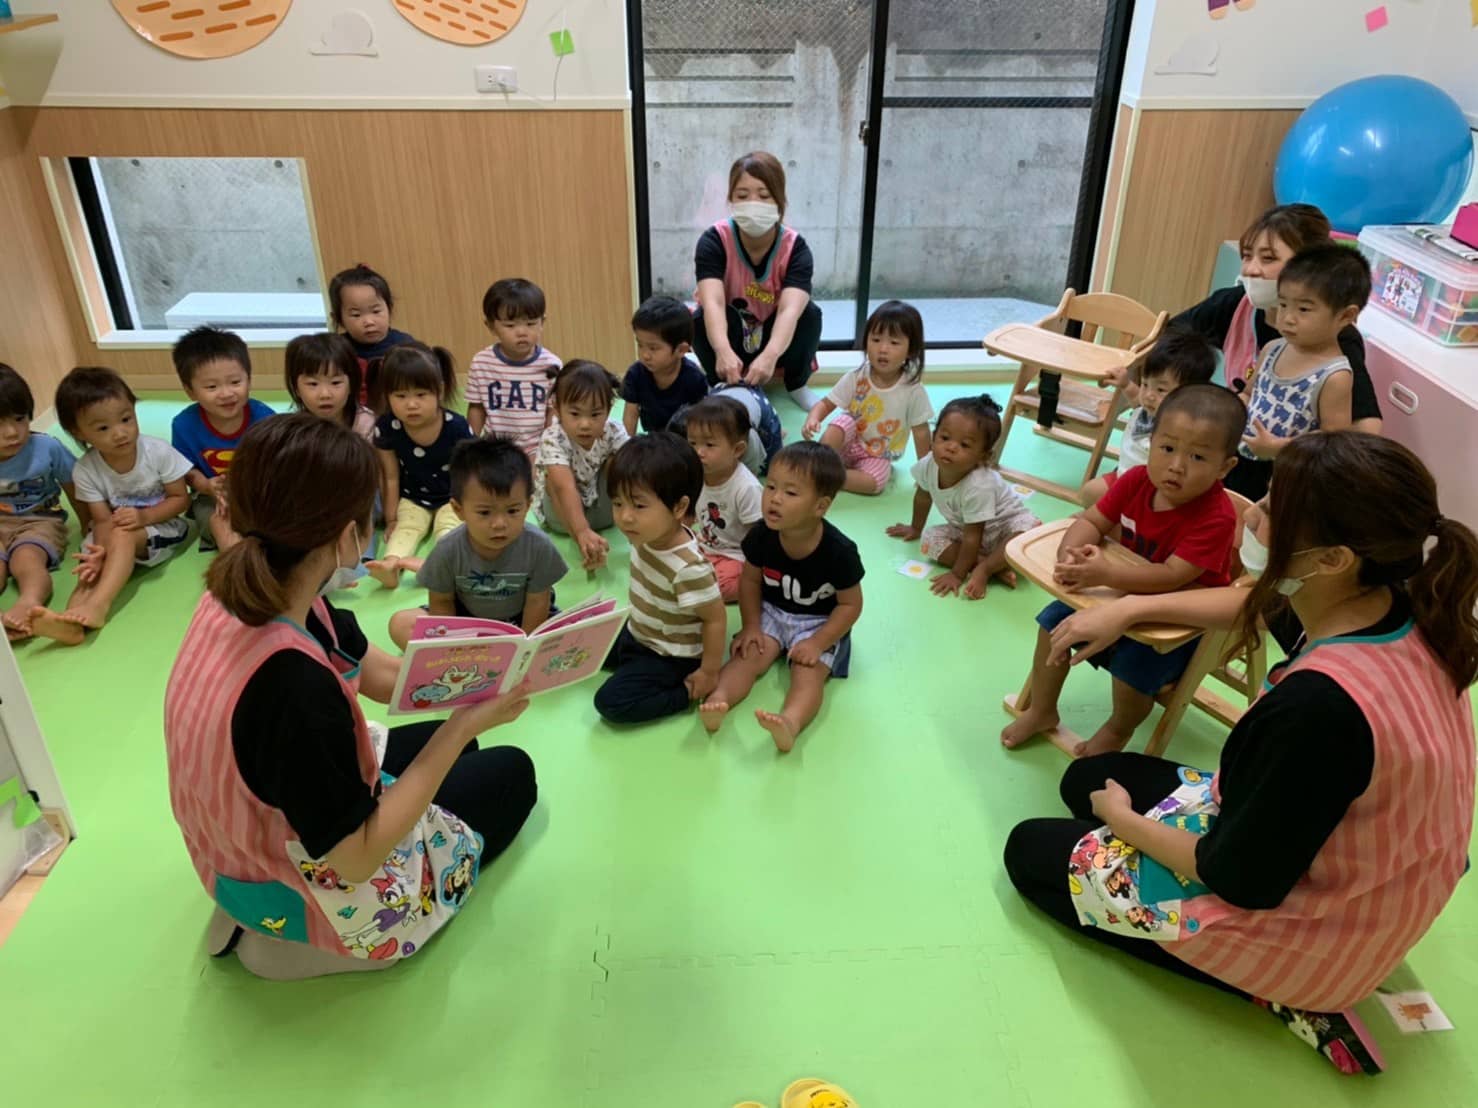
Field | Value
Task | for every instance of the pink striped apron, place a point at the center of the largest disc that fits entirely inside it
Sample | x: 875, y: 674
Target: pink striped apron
x: 755, y: 295
x: 1391, y: 864
x: 247, y: 855
x: 1239, y: 348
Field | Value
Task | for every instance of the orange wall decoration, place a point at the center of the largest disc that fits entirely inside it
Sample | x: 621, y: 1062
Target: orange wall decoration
x: 464, y: 22
x: 203, y: 28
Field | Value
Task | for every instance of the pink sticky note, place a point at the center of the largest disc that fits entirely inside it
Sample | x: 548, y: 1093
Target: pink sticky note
x: 1376, y: 18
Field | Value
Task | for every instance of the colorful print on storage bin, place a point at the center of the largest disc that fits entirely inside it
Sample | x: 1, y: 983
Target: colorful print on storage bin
x: 1429, y: 288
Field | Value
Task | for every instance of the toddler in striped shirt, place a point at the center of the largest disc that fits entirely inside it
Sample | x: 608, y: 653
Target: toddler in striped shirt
x: 509, y: 383
x: 669, y: 653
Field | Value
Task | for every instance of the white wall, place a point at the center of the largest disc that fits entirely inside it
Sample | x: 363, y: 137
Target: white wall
x: 91, y: 57
x: 1287, y: 53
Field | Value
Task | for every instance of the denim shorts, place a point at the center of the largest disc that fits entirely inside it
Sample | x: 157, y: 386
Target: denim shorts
x: 1140, y: 667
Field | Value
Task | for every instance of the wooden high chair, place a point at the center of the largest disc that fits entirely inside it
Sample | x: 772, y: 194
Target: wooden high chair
x: 1034, y: 555
x: 1088, y: 405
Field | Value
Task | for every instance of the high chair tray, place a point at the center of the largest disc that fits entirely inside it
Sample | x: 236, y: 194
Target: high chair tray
x: 1033, y: 345
x: 1034, y: 554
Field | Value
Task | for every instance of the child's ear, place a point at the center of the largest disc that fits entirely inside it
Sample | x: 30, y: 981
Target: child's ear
x: 1228, y: 465
x: 823, y: 505
x: 683, y: 506
x: 457, y: 507
x: 683, y: 349
x: 1347, y: 317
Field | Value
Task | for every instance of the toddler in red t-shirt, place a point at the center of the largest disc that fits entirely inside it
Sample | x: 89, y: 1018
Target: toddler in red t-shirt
x: 1173, y: 512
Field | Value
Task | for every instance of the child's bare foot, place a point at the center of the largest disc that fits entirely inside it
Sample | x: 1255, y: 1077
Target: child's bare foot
x: 386, y: 571
x: 780, y: 729
x: 712, y: 713
x: 1007, y: 577
x: 1104, y: 741
x: 17, y: 619
x: 68, y: 628
x: 1027, y: 725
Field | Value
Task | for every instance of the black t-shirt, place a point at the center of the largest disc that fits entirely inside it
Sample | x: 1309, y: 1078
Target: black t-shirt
x: 425, y: 471
x: 658, y: 406
x: 1290, y: 770
x: 293, y: 736
x: 807, y: 587
x: 711, y: 260
x: 1212, y: 318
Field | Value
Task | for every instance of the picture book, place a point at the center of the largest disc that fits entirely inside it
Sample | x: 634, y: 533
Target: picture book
x: 453, y: 661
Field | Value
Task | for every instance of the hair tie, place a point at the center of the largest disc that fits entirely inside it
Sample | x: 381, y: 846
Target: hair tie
x: 1436, y: 528
x: 261, y: 538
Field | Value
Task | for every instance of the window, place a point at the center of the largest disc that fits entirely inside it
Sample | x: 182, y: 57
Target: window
x: 166, y: 244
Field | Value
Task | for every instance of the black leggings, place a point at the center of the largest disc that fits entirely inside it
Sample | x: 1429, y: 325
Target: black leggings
x: 796, y: 363
x: 643, y: 685
x: 1038, y: 849
x: 492, y: 790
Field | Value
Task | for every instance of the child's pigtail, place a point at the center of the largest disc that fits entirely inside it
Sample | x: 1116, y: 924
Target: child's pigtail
x: 448, y: 368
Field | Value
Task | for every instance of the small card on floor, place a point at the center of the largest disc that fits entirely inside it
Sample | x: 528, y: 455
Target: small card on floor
x: 1415, y: 1012
x: 914, y: 569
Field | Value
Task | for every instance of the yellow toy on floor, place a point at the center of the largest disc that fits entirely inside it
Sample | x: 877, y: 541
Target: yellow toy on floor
x: 809, y: 1092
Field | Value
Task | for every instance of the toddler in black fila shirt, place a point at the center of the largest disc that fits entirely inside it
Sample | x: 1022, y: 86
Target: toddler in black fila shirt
x: 799, y: 595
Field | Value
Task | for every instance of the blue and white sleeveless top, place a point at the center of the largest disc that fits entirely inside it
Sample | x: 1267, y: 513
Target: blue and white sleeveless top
x: 1287, y: 406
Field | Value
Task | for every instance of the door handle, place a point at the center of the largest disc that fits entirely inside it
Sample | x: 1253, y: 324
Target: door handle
x: 863, y: 132
x: 1404, y: 399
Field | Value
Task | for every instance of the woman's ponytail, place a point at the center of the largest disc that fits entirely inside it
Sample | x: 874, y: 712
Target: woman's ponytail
x: 1443, y: 592
x: 296, y: 482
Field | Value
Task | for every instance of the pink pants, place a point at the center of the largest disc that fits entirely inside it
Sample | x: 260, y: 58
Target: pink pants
x: 728, y: 570
x: 855, y: 455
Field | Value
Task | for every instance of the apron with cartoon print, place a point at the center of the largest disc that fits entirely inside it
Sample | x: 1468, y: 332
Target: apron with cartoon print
x: 247, y: 855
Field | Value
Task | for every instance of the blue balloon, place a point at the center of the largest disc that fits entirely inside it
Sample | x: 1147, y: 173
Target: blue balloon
x: 1377, y: 150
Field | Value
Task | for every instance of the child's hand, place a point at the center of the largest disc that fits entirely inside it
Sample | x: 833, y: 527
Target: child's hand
x: 945, y: 584
x: 593, y: 550
x: 700, y: 683
x: 1089, y: 568
x: 89, y: 563
x: 749, y: 640
x: 905, y: 531
x: 1262, y: 442
x: 805, y: 653
x: 810, y: 427
x: 218, y: 486
x: 127, y: 519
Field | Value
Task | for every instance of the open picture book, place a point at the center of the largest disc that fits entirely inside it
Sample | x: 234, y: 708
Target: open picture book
x: 453, y: 661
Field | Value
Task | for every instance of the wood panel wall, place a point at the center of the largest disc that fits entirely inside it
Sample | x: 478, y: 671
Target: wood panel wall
x: 37, y: 329
x: 1196, y: 179
x: 442, y: 202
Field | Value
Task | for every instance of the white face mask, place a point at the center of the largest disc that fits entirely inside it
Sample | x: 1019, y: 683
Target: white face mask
x: 755, y: 217
x: 342, y: 575
x: 1262, y: 291
x: 1288, y: 586
x: 1253, y: 553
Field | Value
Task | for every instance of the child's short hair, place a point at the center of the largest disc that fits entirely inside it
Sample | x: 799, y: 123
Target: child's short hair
x: 15, y: 395
x: 1212, y: 404
x: 983, y: 411
x: 1337, y: 276
x: 1182, y: 354
x: 894, y: 317
x: 718, y: 413
x: 581, y: 379
x: 661, y: 463
x: 414, y: 365
x: 321, y: 355
x: 359, y: 274
x: 204, y: 345
x: 82, y: 388
x: 497, y: 464
x: 512, y: 298
x: 665, y: 317
x: 821, y: 465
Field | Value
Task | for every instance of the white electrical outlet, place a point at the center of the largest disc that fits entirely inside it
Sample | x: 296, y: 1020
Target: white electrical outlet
x: 496, y: 78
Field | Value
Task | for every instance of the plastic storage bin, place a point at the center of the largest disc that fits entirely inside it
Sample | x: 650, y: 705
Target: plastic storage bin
x: 1427, y: 287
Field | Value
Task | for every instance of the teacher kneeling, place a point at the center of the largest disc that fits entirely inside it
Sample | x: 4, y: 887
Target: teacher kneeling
x: 1338, y: 823
x: 324, y: 849
x: 755, y: 312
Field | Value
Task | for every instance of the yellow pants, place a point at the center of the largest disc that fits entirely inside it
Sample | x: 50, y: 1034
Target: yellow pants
x: 411, y: 524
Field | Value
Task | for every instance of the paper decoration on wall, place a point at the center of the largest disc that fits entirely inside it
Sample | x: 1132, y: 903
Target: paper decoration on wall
x: 1376, y: 18
x: 1219, y: 8
x: 464, y: 22
x: 1196, y: 57
x: 203, y: 28
x: 1474, y: 5
x: 348, y: 33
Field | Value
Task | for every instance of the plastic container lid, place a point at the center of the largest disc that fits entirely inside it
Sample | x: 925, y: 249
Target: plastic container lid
x: 1403, y: 244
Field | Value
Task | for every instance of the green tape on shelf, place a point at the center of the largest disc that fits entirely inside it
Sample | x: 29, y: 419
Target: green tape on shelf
x: 563, y: 43
x: 26, y: 811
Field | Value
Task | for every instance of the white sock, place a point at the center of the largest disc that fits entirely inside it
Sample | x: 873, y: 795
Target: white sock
x: 804, y: 398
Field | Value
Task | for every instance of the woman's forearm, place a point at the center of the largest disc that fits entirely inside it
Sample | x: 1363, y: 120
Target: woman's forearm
x: 1210, y: 609
x: 1170, y: 846
x: 715, y: 317
x: 792, y: 303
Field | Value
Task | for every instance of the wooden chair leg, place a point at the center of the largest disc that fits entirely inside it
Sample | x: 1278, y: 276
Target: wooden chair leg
x: 1100, y: 444
x: 1023, y: 378
x: 1203, y: 661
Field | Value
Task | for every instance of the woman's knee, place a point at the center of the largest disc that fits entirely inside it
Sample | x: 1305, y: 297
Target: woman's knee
x: 520, y: 782
x: 1084, y: 777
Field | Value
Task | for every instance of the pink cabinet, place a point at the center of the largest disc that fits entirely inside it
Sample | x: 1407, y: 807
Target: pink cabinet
x: 1429, y: 399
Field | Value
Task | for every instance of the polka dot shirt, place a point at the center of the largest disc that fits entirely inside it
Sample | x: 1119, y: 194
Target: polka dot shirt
x: 425, y: 471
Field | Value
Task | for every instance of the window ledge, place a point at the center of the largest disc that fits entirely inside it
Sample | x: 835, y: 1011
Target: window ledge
x: 259, y: 337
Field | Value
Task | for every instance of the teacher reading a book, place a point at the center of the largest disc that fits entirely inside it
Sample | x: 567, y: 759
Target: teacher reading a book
x: 327, y: 844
